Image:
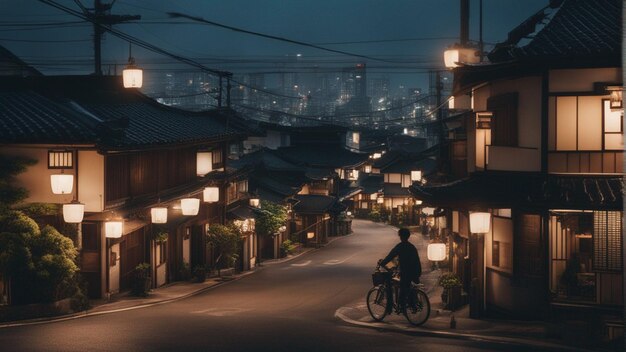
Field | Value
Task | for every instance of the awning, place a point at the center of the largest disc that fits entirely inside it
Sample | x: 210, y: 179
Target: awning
x: 530, y: 190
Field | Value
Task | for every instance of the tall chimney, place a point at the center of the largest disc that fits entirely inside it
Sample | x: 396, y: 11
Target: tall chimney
x: 465, y: 14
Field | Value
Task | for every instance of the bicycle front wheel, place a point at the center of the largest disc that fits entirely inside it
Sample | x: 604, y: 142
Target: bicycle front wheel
x: 377, y: 302
x: 418, y: 307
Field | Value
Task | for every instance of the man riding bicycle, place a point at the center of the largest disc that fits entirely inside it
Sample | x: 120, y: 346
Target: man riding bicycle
x: 410, y: 266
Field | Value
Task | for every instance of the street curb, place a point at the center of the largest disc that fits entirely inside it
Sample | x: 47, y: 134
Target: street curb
x: 339, y: 313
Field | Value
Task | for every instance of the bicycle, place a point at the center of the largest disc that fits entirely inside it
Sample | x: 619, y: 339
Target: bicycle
x: 417, y: 308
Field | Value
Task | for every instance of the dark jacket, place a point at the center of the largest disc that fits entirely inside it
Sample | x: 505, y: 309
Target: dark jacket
x: 410, y: 266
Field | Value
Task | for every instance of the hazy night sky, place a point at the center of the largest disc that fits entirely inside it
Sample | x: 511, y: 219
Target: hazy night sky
x: 319, y: 21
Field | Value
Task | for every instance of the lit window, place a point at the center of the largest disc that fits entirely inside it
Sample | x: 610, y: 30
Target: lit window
x: 60, y: 159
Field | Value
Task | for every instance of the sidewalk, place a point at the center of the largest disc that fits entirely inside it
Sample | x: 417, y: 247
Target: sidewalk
x: 164, y: 294
x: 535, y: 335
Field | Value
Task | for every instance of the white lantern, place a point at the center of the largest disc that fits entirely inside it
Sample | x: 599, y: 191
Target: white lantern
x: 62, y: 183
x: 73, y: 212
x: 377, y: 155
x: 380, y: 200
x: 416, y: 175
x: 204, y: 163
x: 255, y: 202
x: 159, y: 215
x: 190, y: 206
x: 113, y: 229
x: 418, y: 202
x: 480, y: 222
x: 428, y: 211
x: 452, y: 57
x: 211, y: 194
x: 133, y: 77
x: 349, y: 213
x: 436, y: 252
x: 310, y: 235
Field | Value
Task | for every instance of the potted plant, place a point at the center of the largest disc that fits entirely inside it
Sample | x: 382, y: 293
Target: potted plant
x: 451, y: 295
x: 143, y: 280
x: 160, y: 237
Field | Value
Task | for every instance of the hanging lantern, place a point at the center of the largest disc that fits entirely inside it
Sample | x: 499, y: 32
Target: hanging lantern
x: 380, y: 200
x: 310, y: 235
x: 73, y: 213
x: 455, y: 56
x: 255, y: 202
x: 367, y: 169
x: 204, y: 163
x: 418, y: 202
x: 113, y: 229
x: 211, y: 194
x: 133, y: 75
x: 62, y: 183
x: 480, y: 222
x: 436, y: 252
x: 159, y: 215
x: 428, y: 211
x: 416, y: 175
x: 190, y: 206
x: 377, y: 155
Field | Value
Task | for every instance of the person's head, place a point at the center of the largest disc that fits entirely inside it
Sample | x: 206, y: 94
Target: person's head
x: 404, y: 234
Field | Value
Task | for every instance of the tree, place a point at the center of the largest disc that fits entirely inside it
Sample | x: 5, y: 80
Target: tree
x: 225, y: 240
x: 270, y: 218
x: 9, y: 168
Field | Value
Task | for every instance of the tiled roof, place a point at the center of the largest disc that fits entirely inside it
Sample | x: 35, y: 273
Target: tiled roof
x: 314, y: 204
x: 372, y: 183
x: 579, y: 28
x: 504, y: 190
x: 321, y: 156
x: 76, y: 109
x: 395, y: 190
x: 29, y: 117
x: 405, y: 166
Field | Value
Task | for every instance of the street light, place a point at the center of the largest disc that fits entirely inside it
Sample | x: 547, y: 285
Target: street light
x: 133, y: 75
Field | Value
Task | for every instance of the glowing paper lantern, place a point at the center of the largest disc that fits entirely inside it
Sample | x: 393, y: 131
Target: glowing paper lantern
x: 480, y: 222
x: 211, y: 194
x: 436, y: 252
x: 113, y: 229
x: 310, y: 235
x: 428, y: 211
x: 190, y: 206
x: 73, y: 213
x: 204, y: 163
x: 62, y: 183
x: 159, y: 215
x: 255, y: 202
x: 416, y: 175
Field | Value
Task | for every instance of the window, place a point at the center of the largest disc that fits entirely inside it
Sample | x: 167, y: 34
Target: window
x: 613, y: 134
x: 231, y: 193
x: 504, y: 121
x: 393, y: 178
x: 499, y: 244
x: 584, y: 123
x: 162, y: 252
x: 585, y: 246
x: 217, y: 157
x: 60, y: 159
x: 242, y: 186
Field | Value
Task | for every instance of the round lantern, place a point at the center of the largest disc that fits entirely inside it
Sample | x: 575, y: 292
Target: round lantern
x: 62, y: 183
x: 73, y: 213
x: 159, y: 215
x: 190, y: 206
x: 480, y: 222
x: 436, y: 252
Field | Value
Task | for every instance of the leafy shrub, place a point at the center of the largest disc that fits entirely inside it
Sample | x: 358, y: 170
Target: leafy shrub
x: 270, y: 218
x: 142, y: 280
x: 225, y: 240
x: 449, y: 280
x: 286, y: 248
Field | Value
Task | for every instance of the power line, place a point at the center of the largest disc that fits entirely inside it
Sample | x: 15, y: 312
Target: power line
x: 388, y: 40
x: 269, y: 36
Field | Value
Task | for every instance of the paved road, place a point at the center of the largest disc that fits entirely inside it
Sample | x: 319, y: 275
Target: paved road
x: 282, y: 307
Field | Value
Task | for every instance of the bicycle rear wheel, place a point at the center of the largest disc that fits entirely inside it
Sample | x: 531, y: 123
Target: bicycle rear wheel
x: 418, y: 307
x: 377, y: 302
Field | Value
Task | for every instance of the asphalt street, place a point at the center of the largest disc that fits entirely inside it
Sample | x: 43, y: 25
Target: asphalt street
x: 282, y: 307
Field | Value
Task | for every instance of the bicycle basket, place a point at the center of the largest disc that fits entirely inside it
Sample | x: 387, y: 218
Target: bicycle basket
x: 380, y: 277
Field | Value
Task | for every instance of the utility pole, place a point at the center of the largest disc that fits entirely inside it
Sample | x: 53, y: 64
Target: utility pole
x: 101, y: 16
